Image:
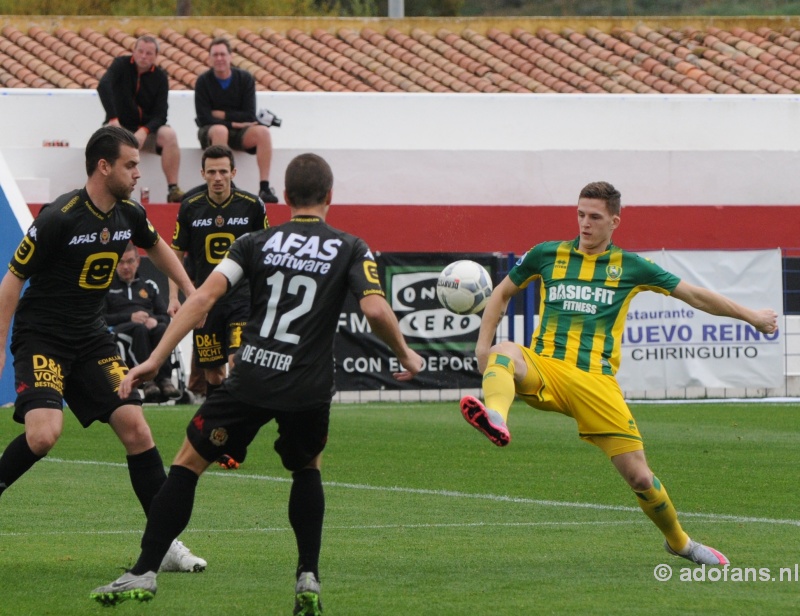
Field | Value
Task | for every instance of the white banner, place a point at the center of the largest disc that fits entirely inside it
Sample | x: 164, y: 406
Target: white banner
x: 667, y: 344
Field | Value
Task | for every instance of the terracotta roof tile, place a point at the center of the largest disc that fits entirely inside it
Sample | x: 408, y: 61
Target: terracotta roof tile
x: 375, y: 58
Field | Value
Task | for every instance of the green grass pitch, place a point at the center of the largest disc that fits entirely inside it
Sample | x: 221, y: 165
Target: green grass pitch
x: 425, y: 516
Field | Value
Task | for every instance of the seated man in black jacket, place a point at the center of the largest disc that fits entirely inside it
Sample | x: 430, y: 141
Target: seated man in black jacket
x: 134, y: 94
x: 137, y: 313
x: 225, y: 102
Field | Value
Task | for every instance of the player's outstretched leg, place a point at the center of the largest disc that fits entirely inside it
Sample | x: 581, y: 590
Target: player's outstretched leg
x: 127, y: 586
x: 307, y: 601
x: 699, y: 553
x: 487, y: 421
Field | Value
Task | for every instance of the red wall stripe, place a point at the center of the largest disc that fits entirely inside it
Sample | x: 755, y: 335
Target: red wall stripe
x: 497, y: 228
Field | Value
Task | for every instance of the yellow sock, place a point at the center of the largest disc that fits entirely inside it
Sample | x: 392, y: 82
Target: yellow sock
x: 656, y: 503
x: 498, y: 384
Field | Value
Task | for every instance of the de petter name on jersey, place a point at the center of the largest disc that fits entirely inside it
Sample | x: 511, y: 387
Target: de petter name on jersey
x: 301, y: 253
x: 266, y: 358
x: 577, y: 297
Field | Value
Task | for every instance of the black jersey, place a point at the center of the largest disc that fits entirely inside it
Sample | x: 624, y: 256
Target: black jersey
x: 206, y: 230
x: 299, y: 275
x: 69, y: 255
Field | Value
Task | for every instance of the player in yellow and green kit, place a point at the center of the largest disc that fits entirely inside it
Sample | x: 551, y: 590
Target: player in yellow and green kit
x: 587, y: 286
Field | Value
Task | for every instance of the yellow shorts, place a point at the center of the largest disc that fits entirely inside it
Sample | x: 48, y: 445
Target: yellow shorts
x: 595, y: 401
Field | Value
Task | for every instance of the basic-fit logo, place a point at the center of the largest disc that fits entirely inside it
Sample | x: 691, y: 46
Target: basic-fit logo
x: 413, y: 298
x: 47, y: 373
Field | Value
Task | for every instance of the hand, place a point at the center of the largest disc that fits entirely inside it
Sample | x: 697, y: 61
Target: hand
x: 150, y: 323
x: 218, y: 114
x: 141, y: 134
x: 412, y: 362
x: 243, y: 124
x: 146, y: 371
x: 174, y: 305
x: 140, y: 316
x: 765, y: 321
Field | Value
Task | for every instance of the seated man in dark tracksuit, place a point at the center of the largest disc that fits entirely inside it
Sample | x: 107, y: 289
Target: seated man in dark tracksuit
x: 137, y: 313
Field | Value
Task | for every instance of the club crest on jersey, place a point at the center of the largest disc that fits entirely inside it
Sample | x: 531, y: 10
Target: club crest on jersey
x: 105, y: 236
x: 613, y: 272
x: 219, y: 220
x: 218, y: 437
x: 143, y: 293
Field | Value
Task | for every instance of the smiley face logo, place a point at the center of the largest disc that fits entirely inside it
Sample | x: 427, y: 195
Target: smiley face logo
x: 24, y: 251
x: 98, y: 270
x: 177, y: 231
x: 371, y: 272
x: 217, y: 245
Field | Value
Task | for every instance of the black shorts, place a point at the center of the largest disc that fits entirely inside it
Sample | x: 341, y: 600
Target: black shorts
x: 225, y: 425
x: 86, y: 376
x: 221, y: 334
x: 235, y: 138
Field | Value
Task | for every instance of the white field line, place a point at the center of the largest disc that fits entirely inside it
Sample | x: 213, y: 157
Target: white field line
x: 284, y: 529
x: 716, y: 517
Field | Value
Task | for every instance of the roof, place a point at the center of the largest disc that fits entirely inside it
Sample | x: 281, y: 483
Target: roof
x: 668, y: 56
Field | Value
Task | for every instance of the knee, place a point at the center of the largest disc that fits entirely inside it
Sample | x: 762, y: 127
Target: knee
x: 136, y: 436
x: 505, y: 348
x: 42, y: 439
x: 167, y: 136
x: 263, y: 138
x: 215, y: 376
x: 640, y: 480
x: 218, y: 135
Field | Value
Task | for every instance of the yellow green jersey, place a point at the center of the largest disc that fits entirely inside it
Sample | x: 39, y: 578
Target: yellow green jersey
x: 584, y: 300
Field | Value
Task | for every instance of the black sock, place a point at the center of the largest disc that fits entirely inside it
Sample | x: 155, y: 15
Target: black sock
x: 147, y: 474
x: 264, y: 185
x: 210, y: 389
x: 16, y: 461
x: 170, y: 513
x: 306, y: 512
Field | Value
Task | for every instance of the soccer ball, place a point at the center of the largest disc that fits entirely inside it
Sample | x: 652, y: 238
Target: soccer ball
x: 464, y: 287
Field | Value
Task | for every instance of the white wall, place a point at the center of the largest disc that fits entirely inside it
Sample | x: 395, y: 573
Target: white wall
x: 465, y: 149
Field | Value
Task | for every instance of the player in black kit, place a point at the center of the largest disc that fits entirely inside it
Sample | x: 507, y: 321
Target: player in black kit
x: 209, y: 220
x: 61, y: 345
x: 299, y: 274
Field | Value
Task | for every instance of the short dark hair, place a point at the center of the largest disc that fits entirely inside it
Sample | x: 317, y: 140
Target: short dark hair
x: 105, y: 144
x: 221, y: 40
x: 147, y: 38
x: 308, y: 180
x: 217, y: 151
x: 605, y: 192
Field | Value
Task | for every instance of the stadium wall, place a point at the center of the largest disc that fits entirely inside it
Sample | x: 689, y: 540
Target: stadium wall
x: 480, y: 172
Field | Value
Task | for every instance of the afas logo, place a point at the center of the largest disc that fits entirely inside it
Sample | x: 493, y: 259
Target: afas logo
x: 412, y: 295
